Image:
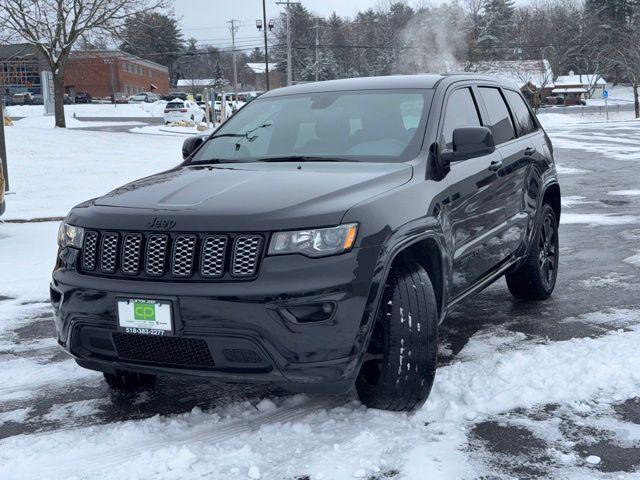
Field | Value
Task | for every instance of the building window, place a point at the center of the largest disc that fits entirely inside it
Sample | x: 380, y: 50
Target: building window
x: 124, y: 66
x: 150, y: 73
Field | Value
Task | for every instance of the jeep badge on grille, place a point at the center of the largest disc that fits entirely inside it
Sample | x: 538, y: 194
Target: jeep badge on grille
x: 165, y: 224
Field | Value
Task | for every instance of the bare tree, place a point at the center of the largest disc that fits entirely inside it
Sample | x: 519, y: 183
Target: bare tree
x: 54, y: 26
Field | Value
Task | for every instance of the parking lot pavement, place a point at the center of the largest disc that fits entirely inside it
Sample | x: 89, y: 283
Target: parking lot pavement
x: 588, y: 427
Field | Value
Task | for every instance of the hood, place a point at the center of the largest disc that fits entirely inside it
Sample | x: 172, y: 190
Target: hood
x: 251, y: 196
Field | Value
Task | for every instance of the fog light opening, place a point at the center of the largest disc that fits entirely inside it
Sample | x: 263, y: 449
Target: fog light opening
x: 309, y: 313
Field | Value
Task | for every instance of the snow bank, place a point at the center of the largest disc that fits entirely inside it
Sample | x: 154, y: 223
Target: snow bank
x: 551, y: 119
x: 139, y: 110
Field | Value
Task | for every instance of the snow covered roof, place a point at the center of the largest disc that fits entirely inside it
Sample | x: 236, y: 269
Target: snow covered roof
x: 587, y: 80
x: 259, y: 68
x: 196, y: 82
x: 115, y: 54
x: 570, y: 90
x: 520, y: 72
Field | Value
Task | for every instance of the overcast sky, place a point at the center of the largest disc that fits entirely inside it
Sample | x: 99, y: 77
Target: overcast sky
x: 206, y: 20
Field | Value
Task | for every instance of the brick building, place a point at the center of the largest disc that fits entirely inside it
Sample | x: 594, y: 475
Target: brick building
x: 20, y: 67
x: 102, y: 73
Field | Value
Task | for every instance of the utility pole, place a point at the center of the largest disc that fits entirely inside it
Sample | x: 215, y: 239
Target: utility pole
x: 317, y: 51
x: 289, y: 65
x: 266, y: 47
x: 234, y: 29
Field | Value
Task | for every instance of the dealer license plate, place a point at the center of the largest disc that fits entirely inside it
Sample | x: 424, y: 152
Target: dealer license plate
x: 145, y: 317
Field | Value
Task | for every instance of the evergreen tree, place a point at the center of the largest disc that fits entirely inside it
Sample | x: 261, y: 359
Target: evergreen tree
x: 153, y: 36
x: 497, y: 23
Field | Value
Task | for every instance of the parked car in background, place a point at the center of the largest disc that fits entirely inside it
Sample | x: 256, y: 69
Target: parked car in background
x: 68, y: 99
x: 183, y: 111
x: 37, y: 99
x: 22, y: 98
x: 120, y: 97
x: 144, y: 97
x: 82, y: 97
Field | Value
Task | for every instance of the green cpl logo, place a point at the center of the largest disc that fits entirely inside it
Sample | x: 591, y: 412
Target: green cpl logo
x: 144, y: 311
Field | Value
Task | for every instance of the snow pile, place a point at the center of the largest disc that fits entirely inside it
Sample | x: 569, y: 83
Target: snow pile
x: 98, y: 110
x: 70, y: 122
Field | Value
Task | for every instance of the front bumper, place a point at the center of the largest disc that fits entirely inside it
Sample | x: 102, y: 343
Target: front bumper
x: 239, y: 316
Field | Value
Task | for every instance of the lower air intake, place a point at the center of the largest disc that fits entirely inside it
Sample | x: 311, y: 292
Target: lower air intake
x: 170, y: 351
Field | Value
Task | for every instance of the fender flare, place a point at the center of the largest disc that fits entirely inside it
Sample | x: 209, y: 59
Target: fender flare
x: 390, y: 250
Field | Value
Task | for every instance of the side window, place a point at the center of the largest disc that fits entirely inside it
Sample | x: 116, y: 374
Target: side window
x: 461, y: 111
x: 521, y: 113
x: 499, y: 118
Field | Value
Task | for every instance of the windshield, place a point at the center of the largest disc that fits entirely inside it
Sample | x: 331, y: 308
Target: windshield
x: 370, y: 125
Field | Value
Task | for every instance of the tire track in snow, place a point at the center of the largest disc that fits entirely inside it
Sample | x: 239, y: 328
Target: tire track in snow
x: 102, y: 460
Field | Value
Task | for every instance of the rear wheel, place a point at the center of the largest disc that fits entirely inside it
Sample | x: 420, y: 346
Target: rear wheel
x: 400, y: 363
x: 536, y: 278
x: 124, y: 380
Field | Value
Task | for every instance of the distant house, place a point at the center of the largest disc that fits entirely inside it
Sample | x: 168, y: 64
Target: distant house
x: 195, y: 86
x: 104, y: 72
x: 533, y: 77
x: 574, y: 88
x: 258, y: 71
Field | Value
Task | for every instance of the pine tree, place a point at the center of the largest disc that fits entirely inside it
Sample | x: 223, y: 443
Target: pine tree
x: 497, y: 23
x: 153, y: 36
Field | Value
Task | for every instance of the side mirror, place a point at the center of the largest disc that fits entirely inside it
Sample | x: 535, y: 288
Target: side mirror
x: 471, y: 142
x: 191, y: 144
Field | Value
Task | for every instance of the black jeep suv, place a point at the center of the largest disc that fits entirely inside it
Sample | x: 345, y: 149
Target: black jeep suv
x: 316, y: 240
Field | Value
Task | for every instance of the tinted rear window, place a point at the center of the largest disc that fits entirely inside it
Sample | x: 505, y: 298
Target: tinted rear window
x: 175, y: 105
x: 499, y: 118
x: 521, y: 113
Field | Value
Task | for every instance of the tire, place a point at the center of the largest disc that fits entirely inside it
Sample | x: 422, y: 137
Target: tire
x: 124, y: 380
x: 536, y: 278
x: 400, y: 363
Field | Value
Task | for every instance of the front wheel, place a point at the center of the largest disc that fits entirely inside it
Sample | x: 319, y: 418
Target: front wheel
x: 536, y: 278
x: 400, y: 363
x: 124, y: 380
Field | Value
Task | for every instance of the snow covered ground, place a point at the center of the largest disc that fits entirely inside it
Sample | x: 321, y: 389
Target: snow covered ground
x: 51, y: 170
x: 545, y: 390
x: 136, y: 110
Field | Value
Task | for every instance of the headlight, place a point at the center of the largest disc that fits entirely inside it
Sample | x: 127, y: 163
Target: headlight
x: 319, y: 242
x: 70, y: 236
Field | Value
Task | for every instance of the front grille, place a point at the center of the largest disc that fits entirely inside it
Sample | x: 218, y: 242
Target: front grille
x: 170, y: 351
x: 156, y: 255
x: 179, y: 256
x: 131, y: 253
x: 89, y: 251
x: 109, y: 252
x: 245, y: 255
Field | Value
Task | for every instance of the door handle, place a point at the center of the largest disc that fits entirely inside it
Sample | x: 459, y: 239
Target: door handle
x: 530, y: 151
x: 495, y: 165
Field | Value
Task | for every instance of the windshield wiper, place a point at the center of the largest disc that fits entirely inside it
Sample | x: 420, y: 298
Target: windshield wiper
x: 303, y: 158
x: 243, y: 135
